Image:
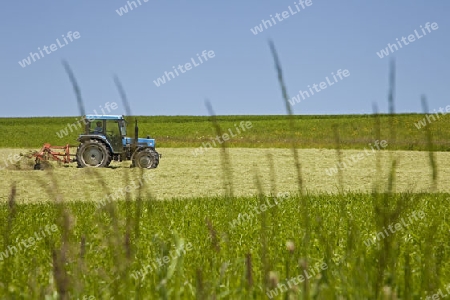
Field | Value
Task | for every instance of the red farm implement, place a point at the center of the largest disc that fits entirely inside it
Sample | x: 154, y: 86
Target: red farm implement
x: 48, y: 153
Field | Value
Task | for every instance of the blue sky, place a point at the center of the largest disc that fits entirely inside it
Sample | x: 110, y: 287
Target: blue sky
x: 141, y: 45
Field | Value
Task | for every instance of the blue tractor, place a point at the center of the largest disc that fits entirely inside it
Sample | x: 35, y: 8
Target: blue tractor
x: 105, y: 140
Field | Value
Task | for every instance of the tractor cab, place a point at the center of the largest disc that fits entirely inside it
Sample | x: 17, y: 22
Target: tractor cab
x: 112, y: 128
x: 102, y: 124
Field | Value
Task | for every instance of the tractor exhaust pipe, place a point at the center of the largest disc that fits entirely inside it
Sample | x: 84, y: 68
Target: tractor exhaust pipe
x: 136, y: 134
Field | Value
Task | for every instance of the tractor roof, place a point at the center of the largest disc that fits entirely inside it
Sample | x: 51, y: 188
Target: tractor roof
x: 104, y: 117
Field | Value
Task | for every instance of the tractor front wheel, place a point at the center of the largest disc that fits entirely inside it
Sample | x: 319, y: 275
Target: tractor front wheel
x: 93, y: 153
x: 146, y: 159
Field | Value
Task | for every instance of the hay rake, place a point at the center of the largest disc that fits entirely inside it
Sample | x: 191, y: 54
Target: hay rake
x: 48, y: 153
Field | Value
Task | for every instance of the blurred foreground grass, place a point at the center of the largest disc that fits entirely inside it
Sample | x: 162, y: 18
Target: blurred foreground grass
x: 98, y: 251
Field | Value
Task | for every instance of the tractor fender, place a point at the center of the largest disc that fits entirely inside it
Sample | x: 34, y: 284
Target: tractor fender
x: 83, y: 138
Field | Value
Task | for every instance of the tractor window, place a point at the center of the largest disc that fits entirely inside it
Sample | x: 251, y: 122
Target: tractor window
x: 112, y: 127
x: 113, y: 135
x: 96, y: 127
x: 123, y: 128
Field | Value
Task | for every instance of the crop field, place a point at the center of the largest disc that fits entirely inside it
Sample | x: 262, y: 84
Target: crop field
x: 356, y: 131
x: 362, y: 223
x: 317, y: 246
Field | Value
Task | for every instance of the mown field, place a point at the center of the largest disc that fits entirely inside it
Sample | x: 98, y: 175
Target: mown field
x: 183, y: 175
x: 356, y: 131
x: 207, y: 227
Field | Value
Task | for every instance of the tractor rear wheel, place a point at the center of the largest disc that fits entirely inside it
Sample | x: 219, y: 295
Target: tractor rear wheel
x: 93, y: 153
x: 146, y: 159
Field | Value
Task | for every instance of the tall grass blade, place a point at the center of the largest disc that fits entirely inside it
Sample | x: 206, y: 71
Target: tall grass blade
x: 339, y: 157
x: 76, y: 88
x: 431, y: 153
x: 225, y: 158
x: 263, y: 234
x: 391, y: 100
x: 303, y: 203
x: 123, y: 95
x: 289, y: 114
x: 377, y: 127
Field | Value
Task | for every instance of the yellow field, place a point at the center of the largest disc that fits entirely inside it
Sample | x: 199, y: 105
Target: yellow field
x: 182, y: 175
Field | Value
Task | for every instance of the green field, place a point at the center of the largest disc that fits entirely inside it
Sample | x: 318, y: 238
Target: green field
x: 204, y: 227
x: 356, y: 131
x: 98, y: 252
